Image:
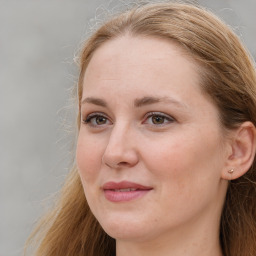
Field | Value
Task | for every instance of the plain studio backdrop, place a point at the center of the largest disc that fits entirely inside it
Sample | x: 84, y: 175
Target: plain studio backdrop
x: 38, y: 41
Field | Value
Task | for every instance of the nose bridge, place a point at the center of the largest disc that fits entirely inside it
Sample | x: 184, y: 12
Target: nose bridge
x: 118, y: 135
x: 121, y: 147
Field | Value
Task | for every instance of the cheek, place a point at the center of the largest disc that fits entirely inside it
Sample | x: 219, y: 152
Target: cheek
x: 166, y: 160
x: 186, y: 163
x: 88, y: 159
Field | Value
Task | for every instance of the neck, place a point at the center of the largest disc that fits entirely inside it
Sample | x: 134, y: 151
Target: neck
x: 172, y: 246
x: 159, y: 249
x: 194, y: 239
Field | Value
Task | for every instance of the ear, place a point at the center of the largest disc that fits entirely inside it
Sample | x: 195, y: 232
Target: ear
x: 242, y: 151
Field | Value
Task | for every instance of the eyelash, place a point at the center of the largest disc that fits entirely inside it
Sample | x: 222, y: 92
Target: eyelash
x: 92, y: 116
x: 167, y: 119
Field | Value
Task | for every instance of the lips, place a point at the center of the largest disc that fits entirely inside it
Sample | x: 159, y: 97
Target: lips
x: 124, y: 185
x: 124, y: 191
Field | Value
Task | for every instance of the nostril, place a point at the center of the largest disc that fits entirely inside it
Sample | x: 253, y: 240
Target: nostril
x: 118, y: 165
x: 120, y: 159
x: 123, y: 163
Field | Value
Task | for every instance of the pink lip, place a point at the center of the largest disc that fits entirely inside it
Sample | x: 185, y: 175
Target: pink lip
x: 112, y: 194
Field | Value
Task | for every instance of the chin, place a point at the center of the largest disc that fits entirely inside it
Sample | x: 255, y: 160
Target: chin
x: 124, y: 229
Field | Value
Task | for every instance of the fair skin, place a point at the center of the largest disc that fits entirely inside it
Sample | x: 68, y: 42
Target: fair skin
x: 146, y: 121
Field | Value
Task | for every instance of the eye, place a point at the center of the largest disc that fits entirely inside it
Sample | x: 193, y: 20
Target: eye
x: 158, y: 119
x: 155, y: 118
x: 96, y: 119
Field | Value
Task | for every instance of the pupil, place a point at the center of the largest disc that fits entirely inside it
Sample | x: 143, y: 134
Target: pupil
x: 100, y: 120
x: 158, y: 120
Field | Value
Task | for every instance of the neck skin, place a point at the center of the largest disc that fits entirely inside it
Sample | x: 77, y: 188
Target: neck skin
x: 199, y: 236
x: 183, y: 242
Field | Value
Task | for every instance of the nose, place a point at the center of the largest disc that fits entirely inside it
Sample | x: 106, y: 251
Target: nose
x: 121, y: 150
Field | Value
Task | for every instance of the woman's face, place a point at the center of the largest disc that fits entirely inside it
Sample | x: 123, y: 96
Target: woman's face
x: 150, y: 150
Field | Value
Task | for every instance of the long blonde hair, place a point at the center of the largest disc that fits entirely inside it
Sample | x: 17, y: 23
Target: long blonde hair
x: 227, y: 77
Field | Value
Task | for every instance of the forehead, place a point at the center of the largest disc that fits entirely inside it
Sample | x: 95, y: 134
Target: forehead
x: 140, y: 60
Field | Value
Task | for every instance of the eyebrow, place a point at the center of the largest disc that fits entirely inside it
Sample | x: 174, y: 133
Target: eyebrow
x: 95, y: 101
x: 144, y: 101
x: 152, y: 100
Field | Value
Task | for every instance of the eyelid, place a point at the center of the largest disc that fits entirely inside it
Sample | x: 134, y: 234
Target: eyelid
x: 90, y: 116
x: 167, y: 117
x: 93, y: 114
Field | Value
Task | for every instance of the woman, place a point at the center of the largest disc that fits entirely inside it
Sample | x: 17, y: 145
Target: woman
x: 166, y: 144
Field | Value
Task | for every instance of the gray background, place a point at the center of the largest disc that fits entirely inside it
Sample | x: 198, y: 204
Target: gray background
x: 38, y: 41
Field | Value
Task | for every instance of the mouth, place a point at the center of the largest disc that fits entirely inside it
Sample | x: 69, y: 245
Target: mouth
x: 124, y: 191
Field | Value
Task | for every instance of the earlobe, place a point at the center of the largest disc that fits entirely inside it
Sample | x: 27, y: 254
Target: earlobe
x: 243, y: 144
